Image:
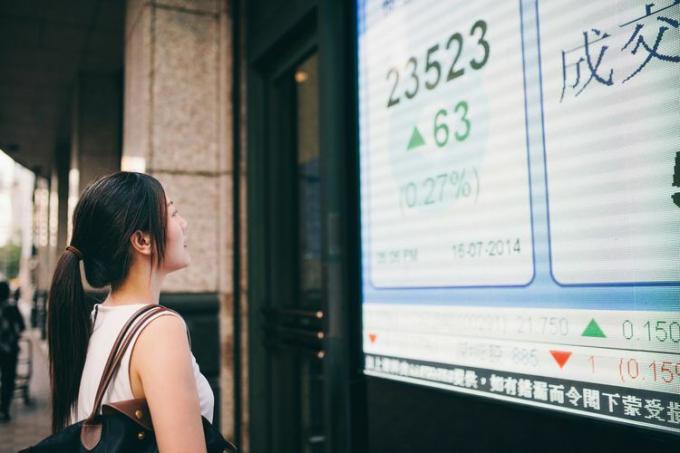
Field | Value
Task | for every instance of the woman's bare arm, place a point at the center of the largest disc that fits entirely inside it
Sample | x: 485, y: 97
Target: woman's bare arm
x: 161, y: 359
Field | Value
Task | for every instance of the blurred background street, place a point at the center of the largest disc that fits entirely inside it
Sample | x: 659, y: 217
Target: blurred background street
x: 30, y: 422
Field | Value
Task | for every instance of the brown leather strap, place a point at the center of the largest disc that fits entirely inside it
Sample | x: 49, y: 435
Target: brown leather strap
x: 108, y: 374
x: 139, y: 325
x: 114, y: 362
x: 112, y: 355
x: 129, y: 330
x: 136, y: 410
x: 121, y: 335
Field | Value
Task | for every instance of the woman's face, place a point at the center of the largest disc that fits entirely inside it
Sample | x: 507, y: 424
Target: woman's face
x: 176, y: 251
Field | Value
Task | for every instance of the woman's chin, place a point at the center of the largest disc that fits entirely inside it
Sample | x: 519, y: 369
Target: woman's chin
x: 179, y: 264
x: 186, y: 261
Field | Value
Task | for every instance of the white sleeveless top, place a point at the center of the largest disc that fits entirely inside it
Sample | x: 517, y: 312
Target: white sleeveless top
x: 108, y: 323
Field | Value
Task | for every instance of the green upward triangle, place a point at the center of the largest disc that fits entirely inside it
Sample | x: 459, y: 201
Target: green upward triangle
x: 416, y: 140
x: 593, y: 330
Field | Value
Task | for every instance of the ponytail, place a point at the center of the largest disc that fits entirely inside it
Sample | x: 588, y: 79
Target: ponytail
x: 108, y: 213
x: 69, y: 329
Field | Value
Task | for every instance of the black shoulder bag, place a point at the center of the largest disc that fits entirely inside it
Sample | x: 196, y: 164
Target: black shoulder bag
x: 123, y: 426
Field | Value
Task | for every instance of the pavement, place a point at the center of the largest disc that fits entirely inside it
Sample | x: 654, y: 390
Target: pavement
x: 30, y: 423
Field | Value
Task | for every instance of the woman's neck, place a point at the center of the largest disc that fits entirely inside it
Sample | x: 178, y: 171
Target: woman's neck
x: 139, y: 287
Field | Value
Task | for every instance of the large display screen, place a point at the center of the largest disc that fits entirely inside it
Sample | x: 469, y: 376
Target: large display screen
x: 520, y: 201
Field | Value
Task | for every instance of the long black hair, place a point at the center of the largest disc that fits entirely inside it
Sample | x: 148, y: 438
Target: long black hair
x: 108, y: 213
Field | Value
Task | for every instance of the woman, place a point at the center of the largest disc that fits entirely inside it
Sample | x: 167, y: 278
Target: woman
x: 128, y: 237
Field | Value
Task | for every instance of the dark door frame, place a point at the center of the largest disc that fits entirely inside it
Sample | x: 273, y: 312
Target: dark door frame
x: 270, y: 182
x: 345, y: 391
x: 329, y: 29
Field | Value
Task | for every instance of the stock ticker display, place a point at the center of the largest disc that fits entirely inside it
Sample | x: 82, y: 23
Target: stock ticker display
x: 520, y: 201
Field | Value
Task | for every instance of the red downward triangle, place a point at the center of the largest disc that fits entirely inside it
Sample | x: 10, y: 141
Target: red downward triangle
x: 372, y: 337
x: 561, y: 357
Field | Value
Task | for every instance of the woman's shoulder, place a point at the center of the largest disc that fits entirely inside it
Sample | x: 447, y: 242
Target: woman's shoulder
x: 162, y: 350
x: 166, y: 330
x: 166, y: 323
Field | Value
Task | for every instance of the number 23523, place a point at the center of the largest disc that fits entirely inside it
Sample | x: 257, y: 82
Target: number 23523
x: 432, y: 74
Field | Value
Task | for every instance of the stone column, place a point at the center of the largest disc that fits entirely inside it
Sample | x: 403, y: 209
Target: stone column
x: 177, y: 127
x: 96, y: 131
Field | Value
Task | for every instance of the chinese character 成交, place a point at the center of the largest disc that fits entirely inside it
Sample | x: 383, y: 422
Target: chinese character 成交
x: 593, y: 67
x: 652, y: 51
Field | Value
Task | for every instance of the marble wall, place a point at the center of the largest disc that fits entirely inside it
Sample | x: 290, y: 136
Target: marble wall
x: 178, y: 128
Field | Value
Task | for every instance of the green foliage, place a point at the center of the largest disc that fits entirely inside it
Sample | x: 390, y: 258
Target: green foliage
x: 10, y: 259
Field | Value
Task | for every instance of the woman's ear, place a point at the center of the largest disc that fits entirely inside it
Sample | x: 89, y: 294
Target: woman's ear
x: 141, y: 242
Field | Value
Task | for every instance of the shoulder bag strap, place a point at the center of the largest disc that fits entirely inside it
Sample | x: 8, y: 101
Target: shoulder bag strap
x: 127, y: 333
x: 121, y: 335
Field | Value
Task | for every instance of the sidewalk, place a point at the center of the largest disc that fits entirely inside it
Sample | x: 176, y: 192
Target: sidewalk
x: 30, y: 423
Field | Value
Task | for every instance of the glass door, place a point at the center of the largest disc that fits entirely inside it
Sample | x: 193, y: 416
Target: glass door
x: 293, y: 316
x: 310, y: 286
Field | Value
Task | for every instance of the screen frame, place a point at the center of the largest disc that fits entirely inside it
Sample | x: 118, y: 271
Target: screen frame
x: 571, y: 424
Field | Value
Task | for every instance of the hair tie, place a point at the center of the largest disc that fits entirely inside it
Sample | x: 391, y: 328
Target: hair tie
x: 75, y: 251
